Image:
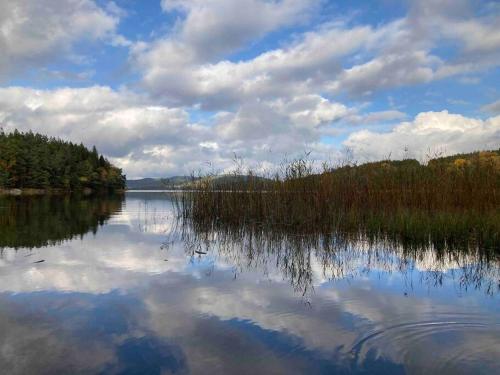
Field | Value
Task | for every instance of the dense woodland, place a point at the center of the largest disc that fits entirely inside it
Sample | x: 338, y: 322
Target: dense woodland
x: 29, y: 160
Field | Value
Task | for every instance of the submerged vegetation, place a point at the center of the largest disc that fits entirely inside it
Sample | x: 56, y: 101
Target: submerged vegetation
x: 29, y: 160
x: 448, y: 202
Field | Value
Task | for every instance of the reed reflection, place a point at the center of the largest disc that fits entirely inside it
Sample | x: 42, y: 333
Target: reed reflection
x: 430, y: 247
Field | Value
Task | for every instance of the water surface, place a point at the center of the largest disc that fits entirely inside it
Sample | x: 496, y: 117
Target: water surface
x: 121, y: 286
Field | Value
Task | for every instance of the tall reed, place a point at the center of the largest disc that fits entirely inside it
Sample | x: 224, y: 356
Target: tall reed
x: 450, y: 198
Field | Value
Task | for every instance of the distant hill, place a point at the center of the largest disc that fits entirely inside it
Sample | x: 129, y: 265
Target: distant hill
x: 175, y: 182
x: 188, y: 182
x: 231, y: 181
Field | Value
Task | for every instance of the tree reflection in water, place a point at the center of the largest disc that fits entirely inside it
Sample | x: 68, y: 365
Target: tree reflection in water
x: 34, y: 222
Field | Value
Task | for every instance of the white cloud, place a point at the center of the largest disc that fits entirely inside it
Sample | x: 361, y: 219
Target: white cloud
x: 337, y: 56
x: 185, y: 66
x: 116, y: 122
x: 428, y: 133
x: 157, y: 140
x: 298, y: 68
x: 213, y: 27
x: 33, y: 32
x: 387, y: 71
x: 310, y: 111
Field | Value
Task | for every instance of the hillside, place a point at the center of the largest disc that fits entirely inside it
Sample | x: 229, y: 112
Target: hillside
x: 175, y: 182
x: 187, y: 182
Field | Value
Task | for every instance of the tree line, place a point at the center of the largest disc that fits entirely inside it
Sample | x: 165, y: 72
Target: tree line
x: 31, y: 160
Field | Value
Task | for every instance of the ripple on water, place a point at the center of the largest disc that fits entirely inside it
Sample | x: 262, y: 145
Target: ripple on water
x: 445, y: 343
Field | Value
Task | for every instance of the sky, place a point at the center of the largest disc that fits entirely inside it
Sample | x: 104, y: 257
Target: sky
x: 174, y: 87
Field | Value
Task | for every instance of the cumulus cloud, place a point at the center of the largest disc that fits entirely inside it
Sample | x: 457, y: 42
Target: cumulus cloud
x: 404, y: 50
x: 114, y: 121
x: 299, y: 68
x: 336, y: 57
x: 156, y: 140
x: 386, y: 71
x: 208, y: 31
x: 302, y: 117
x: 147, y: 139
x: 427, y: 134
x: 33, y: 32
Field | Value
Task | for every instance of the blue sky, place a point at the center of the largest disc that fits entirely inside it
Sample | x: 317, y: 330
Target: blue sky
x: 169, y: 87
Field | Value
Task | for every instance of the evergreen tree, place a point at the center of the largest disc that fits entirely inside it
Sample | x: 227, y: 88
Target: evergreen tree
x: 29, y: 160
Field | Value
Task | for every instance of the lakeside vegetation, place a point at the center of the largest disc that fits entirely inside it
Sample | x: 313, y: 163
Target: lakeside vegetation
x: 35, y: 161
x: 448, y: 202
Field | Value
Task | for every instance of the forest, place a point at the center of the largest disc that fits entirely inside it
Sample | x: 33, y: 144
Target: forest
x: 35, y: 161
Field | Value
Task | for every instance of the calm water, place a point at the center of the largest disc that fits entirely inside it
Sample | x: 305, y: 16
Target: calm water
x: 111, y: 286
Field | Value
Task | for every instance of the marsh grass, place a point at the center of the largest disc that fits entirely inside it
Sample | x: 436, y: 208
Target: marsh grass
x: 448, y: 202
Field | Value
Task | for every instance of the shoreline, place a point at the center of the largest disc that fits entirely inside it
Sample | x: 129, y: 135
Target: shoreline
x: 16, y: 192
x: 31, y: 192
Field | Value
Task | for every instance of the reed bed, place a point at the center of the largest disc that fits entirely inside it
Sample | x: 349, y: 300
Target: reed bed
x: 446, y: 202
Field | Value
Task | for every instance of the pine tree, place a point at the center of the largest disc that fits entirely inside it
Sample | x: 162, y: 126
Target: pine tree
x: 29, y: 160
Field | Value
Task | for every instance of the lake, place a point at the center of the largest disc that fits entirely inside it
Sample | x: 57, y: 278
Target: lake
x: 123, y: 285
